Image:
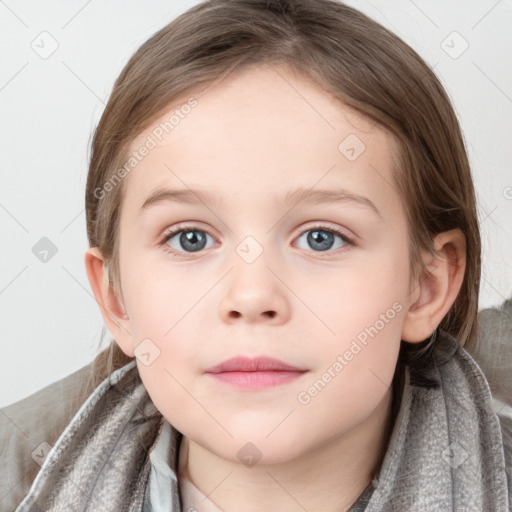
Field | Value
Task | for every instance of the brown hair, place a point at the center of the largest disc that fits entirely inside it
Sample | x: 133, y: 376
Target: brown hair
x: 350, y: 56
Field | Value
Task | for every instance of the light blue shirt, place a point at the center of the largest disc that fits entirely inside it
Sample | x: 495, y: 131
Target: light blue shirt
x: 163, y: 481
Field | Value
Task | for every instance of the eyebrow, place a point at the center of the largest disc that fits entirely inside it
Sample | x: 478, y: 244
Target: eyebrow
x: 292, y: 198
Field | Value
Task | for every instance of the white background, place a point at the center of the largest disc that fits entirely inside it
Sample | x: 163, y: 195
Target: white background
x: 50, y: 324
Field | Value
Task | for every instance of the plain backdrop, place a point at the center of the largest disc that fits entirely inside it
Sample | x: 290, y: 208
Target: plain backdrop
x: 59, y: 61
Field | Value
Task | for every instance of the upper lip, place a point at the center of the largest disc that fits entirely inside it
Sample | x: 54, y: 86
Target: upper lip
x: 248, y: 364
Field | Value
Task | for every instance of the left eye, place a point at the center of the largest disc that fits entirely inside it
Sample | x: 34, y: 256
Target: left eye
x: 322, y: 238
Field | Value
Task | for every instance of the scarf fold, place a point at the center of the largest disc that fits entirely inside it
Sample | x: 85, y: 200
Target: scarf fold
x: 445, y: 452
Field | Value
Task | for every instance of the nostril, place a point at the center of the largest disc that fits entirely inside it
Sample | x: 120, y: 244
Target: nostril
x: 237, y: 314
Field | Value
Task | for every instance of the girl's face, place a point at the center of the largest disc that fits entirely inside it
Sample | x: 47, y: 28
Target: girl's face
x: 251, y: 271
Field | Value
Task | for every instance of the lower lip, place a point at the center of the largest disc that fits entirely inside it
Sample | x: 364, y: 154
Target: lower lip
x: 257, y: 380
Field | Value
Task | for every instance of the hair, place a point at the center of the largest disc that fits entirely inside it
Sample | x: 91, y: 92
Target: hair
x: 350, y: 56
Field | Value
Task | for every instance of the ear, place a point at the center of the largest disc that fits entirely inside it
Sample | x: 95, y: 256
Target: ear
x: 112, y: 307
x: 437, y: 288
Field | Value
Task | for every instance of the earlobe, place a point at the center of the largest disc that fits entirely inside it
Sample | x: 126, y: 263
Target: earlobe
x: 437, y: 288
x: 111, y: 307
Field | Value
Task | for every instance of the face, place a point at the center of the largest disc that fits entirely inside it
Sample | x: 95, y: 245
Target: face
x: 242, y: 267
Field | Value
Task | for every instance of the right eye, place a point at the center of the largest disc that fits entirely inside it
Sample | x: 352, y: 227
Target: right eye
x: 191, y: 239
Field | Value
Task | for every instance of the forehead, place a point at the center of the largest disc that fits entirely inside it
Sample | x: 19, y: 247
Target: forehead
x: 259, y: 131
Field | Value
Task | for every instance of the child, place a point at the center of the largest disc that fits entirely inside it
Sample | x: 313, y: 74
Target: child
x: 308, y: 353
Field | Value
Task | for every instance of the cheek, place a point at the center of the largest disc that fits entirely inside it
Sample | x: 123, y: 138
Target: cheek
x: 344, y: 395
x: 362, y: 312
x: 171, y: 379
x: 356, y: 296
x: 356, y: 365
x: 156, y: 298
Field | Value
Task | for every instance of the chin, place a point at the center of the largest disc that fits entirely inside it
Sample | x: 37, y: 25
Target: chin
x: 250, y: 447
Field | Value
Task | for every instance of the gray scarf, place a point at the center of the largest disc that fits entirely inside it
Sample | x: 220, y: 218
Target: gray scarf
x: 445, y: 453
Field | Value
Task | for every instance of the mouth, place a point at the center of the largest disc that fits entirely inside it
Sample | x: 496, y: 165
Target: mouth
x: 258, y: 373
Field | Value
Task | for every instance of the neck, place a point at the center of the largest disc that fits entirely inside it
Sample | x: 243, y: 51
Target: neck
x: 329, y: 478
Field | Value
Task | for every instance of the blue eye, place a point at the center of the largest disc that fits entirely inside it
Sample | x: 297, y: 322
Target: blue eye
x: 322, y: 238
x: 191, y: 239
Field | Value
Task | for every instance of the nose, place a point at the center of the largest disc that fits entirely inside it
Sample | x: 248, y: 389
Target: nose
x: 254, y: 293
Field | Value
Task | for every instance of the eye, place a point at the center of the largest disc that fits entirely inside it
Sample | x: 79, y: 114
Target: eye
x: 191, y: 239
x: 322, y: 238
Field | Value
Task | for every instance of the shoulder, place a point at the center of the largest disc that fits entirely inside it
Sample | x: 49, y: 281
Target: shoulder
x: 492, y: 350
x: 31, y: 426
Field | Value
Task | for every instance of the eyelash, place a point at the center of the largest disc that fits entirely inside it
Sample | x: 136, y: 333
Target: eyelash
x: 170, y: 234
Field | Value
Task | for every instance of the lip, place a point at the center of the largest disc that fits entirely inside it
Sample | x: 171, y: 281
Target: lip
x: 258, y: 373
x: 257, y: 364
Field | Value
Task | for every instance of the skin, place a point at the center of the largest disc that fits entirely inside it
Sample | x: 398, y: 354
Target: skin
x: 251, y: 139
